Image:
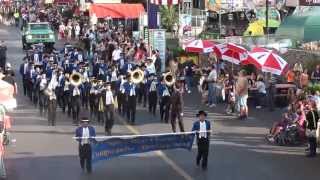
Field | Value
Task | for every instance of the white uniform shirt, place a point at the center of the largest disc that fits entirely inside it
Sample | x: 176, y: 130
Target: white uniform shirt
x: 151, y: 68
x: 85, y: 136
x: 109, y: 98
x: 203, y: 130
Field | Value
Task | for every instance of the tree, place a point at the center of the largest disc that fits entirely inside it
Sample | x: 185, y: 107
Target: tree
x: 169, y: 16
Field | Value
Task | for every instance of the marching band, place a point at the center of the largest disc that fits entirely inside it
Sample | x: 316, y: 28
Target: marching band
x: 67, y: 80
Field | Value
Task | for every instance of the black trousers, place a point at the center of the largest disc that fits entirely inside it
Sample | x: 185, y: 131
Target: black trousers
x: 93, y: 106
x: 66, y: 103
x: 25, y: 85
x: 203, y: 151
x: 121, y: 98
x: 153, y: 98
x: 131, y: 108
x: 76, y: 103
x: 85, y: 157
x: 142, y: 95
x: 42, y: 102
x: 109, y: 121
x: 52, y: 111
x: 29, y: 89
x: 176, y: 114
x: 165, y: 108
x: 312, y: 145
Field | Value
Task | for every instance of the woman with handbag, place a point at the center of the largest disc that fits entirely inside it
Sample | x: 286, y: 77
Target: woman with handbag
x: 311, y: 127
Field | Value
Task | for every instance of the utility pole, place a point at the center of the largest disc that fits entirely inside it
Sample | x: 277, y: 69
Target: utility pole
x: 267, y: 16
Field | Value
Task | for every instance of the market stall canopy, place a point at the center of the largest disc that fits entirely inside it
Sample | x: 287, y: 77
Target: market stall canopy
x: 302, y: 27
x: 125, y: 11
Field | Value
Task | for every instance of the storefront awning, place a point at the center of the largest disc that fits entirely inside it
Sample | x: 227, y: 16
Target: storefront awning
x: 126, y: 11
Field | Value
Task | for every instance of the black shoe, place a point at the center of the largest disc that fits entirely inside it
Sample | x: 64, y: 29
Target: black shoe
x: 198, y: 163
x: 204, y: 168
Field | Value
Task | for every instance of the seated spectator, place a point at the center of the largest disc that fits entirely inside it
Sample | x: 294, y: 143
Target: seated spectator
x: 261, y: 94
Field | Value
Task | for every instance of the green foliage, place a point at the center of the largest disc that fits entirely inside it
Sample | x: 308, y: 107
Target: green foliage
x: 169, y: 16
x: 178, y: 51
x: 313, y: 87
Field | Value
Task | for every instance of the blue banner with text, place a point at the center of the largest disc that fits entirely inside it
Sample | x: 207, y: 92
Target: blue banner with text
x: 113, y: 147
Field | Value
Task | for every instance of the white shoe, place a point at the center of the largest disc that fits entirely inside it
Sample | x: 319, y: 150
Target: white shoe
x: 258, y: 107
x: 189, y: 92
x: 212, y: 105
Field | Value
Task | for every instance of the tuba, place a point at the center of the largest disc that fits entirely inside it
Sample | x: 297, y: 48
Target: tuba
x: 169, y: 79
x: 75, y: 79
x: 137, y: 76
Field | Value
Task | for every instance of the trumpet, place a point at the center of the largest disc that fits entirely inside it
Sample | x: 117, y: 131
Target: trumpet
x: 75, y: 79
x: 169, y: 79
x: 137, y: 76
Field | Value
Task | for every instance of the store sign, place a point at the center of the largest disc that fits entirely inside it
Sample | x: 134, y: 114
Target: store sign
x: 146, y: 34
x: 309, y: 2
x: 158, y: 41
x: 272, y: 14
x: 185, y: 23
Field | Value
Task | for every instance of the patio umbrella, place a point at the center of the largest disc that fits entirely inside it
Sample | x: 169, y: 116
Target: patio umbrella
x: 219, y: 49
x: 234, y: 53
x: 267, y: 61
x: 200, y: 46
x: 236, y: 48
x: 234, y: 57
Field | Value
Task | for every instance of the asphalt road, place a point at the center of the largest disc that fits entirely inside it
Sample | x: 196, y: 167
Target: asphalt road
x: 238, y: 150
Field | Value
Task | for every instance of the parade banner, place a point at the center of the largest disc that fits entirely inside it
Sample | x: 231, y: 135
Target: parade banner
x: 118, y: 146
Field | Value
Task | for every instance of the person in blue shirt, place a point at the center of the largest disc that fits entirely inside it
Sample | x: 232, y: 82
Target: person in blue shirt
x: 202, y: 127
x: 130, y: 91
x: 164, y: 100
x: 85, y: 135
x: 152, y: 86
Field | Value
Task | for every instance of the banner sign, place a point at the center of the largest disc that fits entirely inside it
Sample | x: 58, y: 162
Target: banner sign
x: 158, y: 42
x: 113, y: 147
x: 309, y: 2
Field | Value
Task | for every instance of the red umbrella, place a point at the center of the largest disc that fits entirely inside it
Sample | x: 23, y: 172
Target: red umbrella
x: 219, y: 49
x: 267, y: 61
x: 234, y: 57
x: 200, y: 46
x: 236, y: 48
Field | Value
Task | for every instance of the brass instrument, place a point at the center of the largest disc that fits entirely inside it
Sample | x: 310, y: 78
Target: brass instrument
x: 169, y: 79
x: 137, y: 76
x: 75, y: 79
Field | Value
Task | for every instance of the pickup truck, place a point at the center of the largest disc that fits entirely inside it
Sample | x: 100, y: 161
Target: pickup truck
x: 35, y: 33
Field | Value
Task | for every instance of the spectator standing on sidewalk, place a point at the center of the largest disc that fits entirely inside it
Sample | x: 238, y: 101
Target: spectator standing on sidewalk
x: 212, y: 80
x: 242, y: 86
